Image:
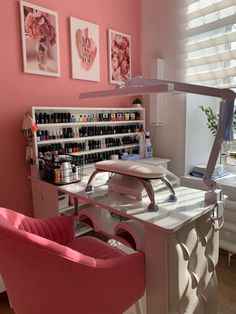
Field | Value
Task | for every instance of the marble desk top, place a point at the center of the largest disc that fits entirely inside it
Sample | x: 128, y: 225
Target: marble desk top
x: 170, y: 216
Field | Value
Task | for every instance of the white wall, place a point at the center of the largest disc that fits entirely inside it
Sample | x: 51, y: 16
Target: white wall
x: 198, y: 138
x: 161, y: 39
x: 184, y: 137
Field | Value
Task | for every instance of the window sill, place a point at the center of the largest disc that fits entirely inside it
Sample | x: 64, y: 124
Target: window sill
x: 228, y: 184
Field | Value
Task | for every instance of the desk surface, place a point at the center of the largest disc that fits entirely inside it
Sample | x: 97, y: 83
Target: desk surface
x: 228, y: 184
x: 170, y: 216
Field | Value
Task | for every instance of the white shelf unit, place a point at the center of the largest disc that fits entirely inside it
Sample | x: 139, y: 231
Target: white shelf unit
x: 93, y: 132
x: 87, y: 131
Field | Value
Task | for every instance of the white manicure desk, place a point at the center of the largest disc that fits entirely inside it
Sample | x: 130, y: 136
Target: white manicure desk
x: 180, y: 241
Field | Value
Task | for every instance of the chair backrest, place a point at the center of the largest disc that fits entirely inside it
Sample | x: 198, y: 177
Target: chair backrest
x: 44, y: 227
x: 45, y: 277
x: 34, y: 269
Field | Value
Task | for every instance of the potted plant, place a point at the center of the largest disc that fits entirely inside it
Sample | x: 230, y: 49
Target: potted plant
x: 137, y: 102
x: 213, y: 117
x: 212, y: 124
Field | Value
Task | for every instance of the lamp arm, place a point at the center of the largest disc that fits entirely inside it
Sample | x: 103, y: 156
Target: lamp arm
x: 223, y: 93
x: 139, y: 85
x: 224, y: 132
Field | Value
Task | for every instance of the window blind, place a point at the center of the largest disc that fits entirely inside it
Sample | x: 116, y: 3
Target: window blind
x: 210, y: 37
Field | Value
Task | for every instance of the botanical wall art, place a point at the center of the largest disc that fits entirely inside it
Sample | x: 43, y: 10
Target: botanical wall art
x: 119, y: 55
x: 84, y: 50
x: 40, y: 40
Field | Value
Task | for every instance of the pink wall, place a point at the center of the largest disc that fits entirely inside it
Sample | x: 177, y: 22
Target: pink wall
x: 19, y: 91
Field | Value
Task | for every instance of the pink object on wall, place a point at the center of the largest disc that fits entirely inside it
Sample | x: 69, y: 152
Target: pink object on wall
x: 20, y: 91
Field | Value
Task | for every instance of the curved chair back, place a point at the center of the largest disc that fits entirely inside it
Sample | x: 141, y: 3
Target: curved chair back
x: 43, y: 274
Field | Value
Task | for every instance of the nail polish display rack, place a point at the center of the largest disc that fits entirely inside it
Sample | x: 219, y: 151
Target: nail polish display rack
x: 94, y: 134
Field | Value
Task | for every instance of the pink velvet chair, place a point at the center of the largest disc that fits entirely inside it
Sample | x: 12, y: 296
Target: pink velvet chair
x: 46, y: 270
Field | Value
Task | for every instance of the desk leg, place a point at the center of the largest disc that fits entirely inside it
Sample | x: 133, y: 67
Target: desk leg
x: 156, y: 271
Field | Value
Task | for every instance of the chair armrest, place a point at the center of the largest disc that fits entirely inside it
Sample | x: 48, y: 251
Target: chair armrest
x: 120, y: 280
x: 124, y: 278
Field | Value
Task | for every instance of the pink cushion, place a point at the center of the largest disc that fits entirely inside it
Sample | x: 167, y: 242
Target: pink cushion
x: 94, y: 248
x: 131, y: 168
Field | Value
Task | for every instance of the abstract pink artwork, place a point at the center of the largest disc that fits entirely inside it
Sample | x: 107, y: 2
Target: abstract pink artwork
x: 119, y: 56
x: 84, y: 50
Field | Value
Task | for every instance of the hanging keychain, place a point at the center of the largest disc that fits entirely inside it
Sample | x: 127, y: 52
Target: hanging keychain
x: 29, y: 127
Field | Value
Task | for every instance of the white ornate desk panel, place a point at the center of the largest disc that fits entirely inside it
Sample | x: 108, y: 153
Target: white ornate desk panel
x: 180, y: 243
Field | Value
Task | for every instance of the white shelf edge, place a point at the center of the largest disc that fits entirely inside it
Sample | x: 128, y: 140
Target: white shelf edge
x: 100, y: 150
x: 89, y: 109
x: 83, y: 231
x: 63, y: 210
x: 86, y: 138
x: 53, y: 125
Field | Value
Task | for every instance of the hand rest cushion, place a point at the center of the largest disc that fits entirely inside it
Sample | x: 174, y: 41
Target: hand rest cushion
x: 131, y: 168
x: 143, y: 172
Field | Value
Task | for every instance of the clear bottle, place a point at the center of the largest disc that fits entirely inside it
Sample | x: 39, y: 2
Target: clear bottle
x: 141, y: 145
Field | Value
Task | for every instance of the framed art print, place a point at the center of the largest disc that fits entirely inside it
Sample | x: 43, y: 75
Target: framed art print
x: 119, y: 54
x: 40, y: 40
x: 84, y: 50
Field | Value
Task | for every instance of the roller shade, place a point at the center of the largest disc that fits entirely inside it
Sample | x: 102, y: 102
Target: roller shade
x: 202, y: 11
x: 210, y: 37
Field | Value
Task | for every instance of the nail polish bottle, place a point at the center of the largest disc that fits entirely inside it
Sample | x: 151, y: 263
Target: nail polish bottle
x: 39, y: 135
x: 57, y: 117
x: 36, y: 118
x: 57, y: 134
x: 63, y: 148
x: 44, y: 118
x: 86, y: 146
x: 70, y: 148
x: 51, y: 118
x: 73, y: 118
x: 60, y: 133
x: 42, y: 135
x: 54, y: 135
x: 46, y: 135
x: 132, y: 116
x: 127, y: 116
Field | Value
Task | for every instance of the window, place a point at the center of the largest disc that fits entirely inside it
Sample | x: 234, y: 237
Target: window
x: 210, y: 45
x: 211, y: 42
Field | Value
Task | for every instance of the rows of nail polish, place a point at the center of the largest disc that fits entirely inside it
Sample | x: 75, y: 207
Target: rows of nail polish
x: 44, y: 135
x: 67, y: 117
x: 63, y: 148
x: 95, y: 157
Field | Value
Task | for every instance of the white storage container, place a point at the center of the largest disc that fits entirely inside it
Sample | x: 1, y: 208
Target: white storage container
x: 63, y: 201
